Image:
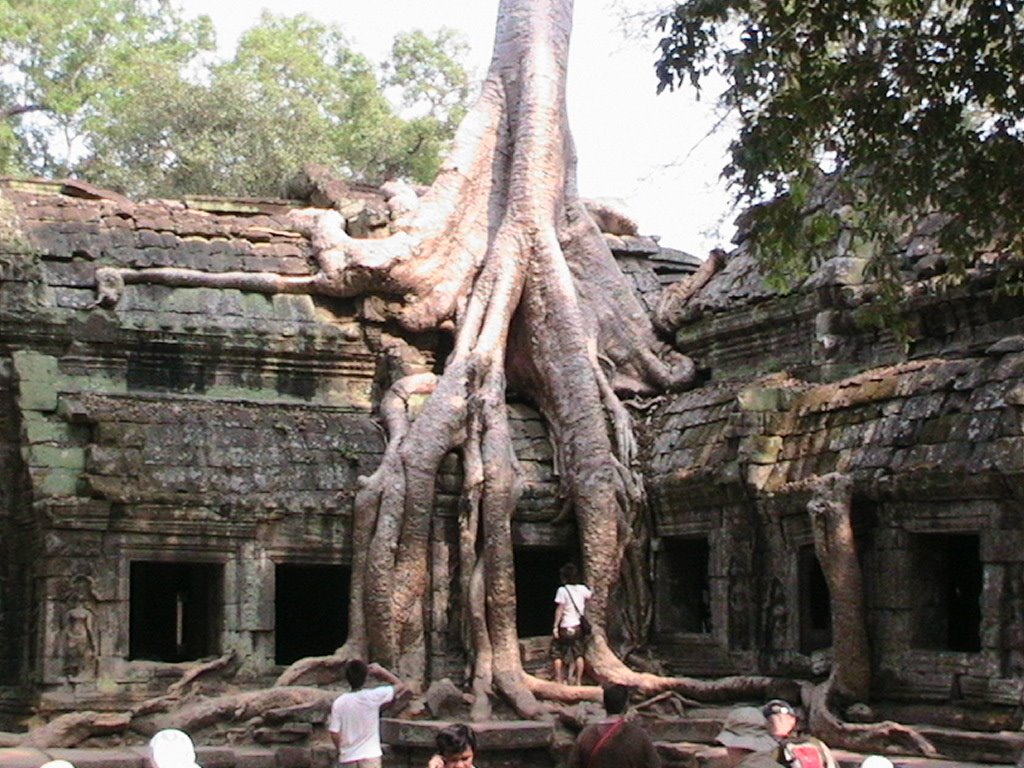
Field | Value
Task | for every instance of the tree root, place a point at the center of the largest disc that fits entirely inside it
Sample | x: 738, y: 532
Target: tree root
x: 241, y: 707
x: 216, y: 665
x: 878, y: 738
x: 676, y: 701
x: 315, y: 670
x: 674, y: 299
x: 73, y: 728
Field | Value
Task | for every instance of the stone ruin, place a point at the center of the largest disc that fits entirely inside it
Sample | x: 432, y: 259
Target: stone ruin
x: 177, y: 471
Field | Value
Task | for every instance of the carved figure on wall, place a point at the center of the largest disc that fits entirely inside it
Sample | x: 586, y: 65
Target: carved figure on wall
x: 79, y: 631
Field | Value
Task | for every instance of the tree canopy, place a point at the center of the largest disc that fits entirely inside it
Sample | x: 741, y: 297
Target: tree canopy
x: 904, y: 107
x: 127, y: 94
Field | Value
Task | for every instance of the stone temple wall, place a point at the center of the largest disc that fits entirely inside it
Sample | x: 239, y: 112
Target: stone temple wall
x: 186, y: 444
x: 929, y: 427
x: 177, y: 471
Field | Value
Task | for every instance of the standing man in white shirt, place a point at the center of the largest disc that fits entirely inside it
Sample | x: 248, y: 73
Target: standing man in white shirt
x: 568, y: 635
x: 354, y: 723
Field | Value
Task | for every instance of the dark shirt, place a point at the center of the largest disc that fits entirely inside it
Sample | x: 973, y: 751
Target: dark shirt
x: 629, y: 747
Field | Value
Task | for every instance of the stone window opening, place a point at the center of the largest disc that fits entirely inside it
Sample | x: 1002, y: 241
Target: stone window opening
x: 683, y: 585
x: 815, y: 602
x: 311, y: 610
x: 536, y: 583
x: 175, y: 611
x: 946, y: 585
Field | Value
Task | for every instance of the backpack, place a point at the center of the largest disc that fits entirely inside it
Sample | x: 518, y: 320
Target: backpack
x: 802, y: 755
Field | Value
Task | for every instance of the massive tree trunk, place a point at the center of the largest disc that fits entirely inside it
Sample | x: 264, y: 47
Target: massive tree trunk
x: 502, y: 248
x: 501, y: 252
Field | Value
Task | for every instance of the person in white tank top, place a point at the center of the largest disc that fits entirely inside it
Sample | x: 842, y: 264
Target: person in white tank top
x: 568, y: 639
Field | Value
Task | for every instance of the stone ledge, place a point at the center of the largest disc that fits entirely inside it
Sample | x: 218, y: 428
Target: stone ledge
x: 101, y: 758
x: 495, y: 735
x: 22, y: 757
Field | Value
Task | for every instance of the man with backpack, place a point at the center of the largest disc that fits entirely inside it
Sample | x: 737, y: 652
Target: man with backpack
x: 614, y: 742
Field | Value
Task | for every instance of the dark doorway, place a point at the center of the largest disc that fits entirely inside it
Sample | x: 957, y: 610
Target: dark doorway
x: 536, y: 583
x: 310, y: 610
x: 683, y: 587
x: 175, y: 611
x: 946, y: 585
x: 815, y: 602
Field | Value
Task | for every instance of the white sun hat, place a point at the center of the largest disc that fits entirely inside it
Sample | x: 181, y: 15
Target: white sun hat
x: 171, y: 748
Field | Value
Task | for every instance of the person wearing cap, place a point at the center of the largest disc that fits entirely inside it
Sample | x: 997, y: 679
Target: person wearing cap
x: 781, y: 718
x: 789, y: 748
x: 745, y: 732
x: 171, y: 748
x: 876, y: 761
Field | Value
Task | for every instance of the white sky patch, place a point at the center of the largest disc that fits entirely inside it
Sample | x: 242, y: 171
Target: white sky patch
x: 661, y: 155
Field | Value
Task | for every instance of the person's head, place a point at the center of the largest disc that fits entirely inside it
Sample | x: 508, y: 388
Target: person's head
x: 781, y: 718
x: 616, y: 697
x: 456, y: 744
x: 171, y: 748
x: 744, y: 731
x: 569, y: 573
x: 876, y: 761
x: 355, y: 673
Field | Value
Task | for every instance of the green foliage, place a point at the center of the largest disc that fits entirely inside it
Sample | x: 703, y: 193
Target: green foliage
x: 150, y: 112
x: 60, y: 60
x: 434, y: 88
x: 906, y: 106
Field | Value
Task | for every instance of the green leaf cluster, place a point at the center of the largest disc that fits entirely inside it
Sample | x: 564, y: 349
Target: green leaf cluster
x: 903, y: 107
x: 128, y: 94
x: 60, y: 60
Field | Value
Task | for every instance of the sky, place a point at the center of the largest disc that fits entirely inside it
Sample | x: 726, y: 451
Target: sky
x: 660, y: 155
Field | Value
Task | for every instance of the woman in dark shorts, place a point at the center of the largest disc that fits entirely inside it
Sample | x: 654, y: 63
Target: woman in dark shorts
x: 568, y: 636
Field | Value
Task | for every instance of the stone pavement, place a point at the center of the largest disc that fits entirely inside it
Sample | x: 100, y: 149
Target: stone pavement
x: 409, y: 743
x: 695, y: 755
x: 135, y: 757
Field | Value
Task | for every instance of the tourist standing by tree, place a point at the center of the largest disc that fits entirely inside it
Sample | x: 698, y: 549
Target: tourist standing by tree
x: 569, y: 626
x: 354, y: 723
